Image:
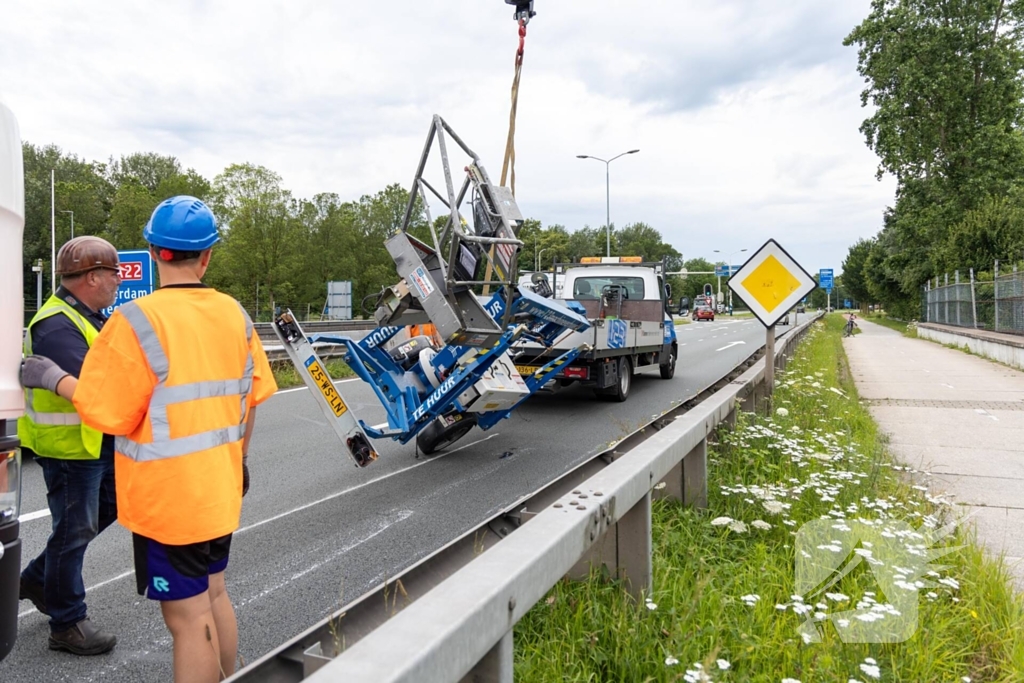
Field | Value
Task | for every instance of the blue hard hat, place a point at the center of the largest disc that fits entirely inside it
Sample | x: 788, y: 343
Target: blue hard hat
x: 182, y: 223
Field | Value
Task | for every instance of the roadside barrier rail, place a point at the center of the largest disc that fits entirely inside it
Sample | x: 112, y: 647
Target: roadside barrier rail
x: 460, y: 628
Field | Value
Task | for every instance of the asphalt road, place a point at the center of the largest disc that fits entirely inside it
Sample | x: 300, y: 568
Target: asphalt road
x: 317, y: 532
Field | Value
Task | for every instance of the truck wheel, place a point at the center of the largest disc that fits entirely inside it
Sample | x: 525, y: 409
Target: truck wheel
x: 668, y: 370
x: 620, y: 392
x: 444, y: 431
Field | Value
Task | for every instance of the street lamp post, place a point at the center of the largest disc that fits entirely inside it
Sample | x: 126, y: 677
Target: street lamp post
x: 72, y: 223
x: 729, y: 266
x: 539, y: 255
x: 607, y: 195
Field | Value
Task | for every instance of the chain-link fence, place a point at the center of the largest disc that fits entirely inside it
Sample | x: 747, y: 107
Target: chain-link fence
x: 994, y: 302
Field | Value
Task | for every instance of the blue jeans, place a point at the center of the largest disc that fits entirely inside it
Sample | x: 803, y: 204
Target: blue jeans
x: 82, y: 502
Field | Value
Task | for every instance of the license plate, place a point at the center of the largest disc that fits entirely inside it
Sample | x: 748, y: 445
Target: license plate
x: 527, y: 370
x: 326, y: 387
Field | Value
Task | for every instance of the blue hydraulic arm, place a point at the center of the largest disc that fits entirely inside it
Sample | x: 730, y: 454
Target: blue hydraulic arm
x: 416, y: 394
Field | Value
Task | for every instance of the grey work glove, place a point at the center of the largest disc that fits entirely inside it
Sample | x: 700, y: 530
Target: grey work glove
x: 39, y: 372
x: 245, y: 475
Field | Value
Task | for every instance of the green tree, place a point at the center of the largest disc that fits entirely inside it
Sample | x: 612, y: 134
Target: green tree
x: 147, y: 169
x: 584, y: 242
x: 994, y: 230
x: 944, y: 81
x: 853, y: 271
x: 80, y: 186
x: 259, y: 233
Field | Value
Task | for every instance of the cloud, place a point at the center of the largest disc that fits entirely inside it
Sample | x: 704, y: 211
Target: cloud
x: 745, y: 111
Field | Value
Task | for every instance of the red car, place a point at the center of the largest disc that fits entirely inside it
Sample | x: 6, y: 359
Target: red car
x: 704, y: 313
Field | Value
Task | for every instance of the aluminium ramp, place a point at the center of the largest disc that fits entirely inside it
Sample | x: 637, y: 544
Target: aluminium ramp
x: 314, y: 374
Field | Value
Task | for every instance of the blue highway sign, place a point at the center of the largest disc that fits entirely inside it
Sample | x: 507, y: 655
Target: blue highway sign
x: 825, y: 278
x: 136, y: 277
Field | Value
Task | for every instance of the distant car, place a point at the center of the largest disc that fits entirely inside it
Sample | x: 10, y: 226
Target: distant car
x: 704, y: 313
x: 799, y: 309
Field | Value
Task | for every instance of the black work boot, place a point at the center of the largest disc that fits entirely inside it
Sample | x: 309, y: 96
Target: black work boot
x: 84, y: 638
x: 33, y: 592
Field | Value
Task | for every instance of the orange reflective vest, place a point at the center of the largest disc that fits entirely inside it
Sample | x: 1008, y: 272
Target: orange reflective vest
x: 173, y: 375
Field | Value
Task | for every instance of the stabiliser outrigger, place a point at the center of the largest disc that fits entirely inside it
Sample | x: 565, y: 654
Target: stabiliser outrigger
x: 438, y: 394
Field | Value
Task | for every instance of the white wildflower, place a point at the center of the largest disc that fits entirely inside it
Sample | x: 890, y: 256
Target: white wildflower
x: 671, y: 661
x: 751, y: 599
x: 871, y: 670
x: 723, y: 664
x: 721, y: 521
x: 782, y: 412
x: 760, y: 524
x: 651, y: 605
x: 773, y: 506
x: 738, y: 526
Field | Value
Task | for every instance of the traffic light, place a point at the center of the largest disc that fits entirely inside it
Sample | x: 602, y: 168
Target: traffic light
x: 707, y: 291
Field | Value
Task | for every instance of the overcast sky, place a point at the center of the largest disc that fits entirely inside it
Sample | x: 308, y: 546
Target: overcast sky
x: 745, y: 111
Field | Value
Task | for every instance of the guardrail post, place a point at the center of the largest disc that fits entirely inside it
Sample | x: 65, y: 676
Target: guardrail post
x: 634, y: 541
x: 687, y: 482
x: 496, y: 666
x: 695, y: 476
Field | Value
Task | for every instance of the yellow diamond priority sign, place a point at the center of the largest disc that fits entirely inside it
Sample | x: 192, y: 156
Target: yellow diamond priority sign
x: 771, y: 283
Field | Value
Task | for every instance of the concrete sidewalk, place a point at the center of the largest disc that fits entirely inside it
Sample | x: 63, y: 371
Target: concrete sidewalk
x: 956, y: 416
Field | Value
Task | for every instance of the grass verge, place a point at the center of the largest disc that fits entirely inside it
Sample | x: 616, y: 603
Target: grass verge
x: 724, y: 605
x: 901, y: 326
x: 286, y: 375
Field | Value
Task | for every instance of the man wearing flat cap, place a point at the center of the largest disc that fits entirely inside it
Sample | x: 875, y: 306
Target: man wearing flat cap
x: 77, y: 461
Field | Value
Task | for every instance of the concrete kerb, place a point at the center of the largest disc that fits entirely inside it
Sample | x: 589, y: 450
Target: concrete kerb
x: 461, y: 630
x: 997, y: 346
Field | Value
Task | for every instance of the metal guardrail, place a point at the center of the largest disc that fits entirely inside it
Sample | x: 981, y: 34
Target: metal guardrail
x: 457, y: 608
x: 266, y: 332
x: 275, y: 353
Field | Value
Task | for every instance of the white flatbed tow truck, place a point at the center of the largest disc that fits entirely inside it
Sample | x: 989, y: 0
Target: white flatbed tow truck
x: 626, y: 303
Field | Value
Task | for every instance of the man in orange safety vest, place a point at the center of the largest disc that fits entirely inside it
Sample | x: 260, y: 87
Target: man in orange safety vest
x: 176, y: 377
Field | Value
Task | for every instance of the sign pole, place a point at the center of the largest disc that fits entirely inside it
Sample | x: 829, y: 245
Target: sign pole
x: 769, y: 360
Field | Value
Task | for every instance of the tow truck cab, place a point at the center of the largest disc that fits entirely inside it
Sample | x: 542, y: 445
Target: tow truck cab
x: 626, y: 301
x: 12, y: 402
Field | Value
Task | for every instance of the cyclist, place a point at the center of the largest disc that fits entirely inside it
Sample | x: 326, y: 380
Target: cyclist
x: 850, y: 324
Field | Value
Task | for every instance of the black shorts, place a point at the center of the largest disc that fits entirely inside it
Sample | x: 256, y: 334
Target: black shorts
x: 176, y: 572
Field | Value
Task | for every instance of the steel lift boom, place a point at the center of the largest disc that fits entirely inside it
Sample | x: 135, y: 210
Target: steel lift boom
x: 438, y: 394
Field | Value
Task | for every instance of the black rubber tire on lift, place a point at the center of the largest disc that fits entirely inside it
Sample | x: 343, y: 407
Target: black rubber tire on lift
x: 436, y: 436
x: 668, y: 370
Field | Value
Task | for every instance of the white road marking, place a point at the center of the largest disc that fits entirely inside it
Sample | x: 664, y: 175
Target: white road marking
x: 947, y: 385
x: 401, y: 516
x: 305, y: 507
x: 303, y: 388
x: 979, y: 411
x: 730, y: 345
x: 38, y: 514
